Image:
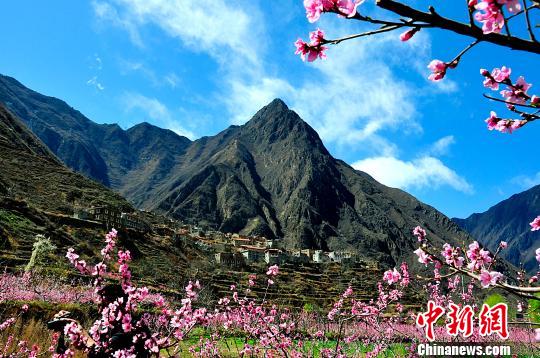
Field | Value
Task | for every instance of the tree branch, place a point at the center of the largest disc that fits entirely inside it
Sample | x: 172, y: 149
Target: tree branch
x: 368, y: 33
x: 527, y: 17
x: 436, y: 20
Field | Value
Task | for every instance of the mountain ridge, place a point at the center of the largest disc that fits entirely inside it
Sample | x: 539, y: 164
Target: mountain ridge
x: 272, y: 176
x: 31, y: 171
x: 509, y: 221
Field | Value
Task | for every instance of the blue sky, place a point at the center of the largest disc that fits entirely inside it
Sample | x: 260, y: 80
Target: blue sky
x: 197, y: 67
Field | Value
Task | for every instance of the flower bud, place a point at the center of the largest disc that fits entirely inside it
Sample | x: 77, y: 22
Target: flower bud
x: 407, y: 35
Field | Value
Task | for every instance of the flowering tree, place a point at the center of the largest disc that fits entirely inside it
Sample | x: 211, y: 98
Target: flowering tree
x: 132, y: 322
x: 451, y: 264
x: 491, y: 21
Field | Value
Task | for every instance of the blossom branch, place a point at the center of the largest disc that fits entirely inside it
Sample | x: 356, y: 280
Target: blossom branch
x: 528, y: 19
x: 508, y: 102
x: 436, y: 20
x: 368, y: 33
x: 456, y: 59
x: 525, y: 292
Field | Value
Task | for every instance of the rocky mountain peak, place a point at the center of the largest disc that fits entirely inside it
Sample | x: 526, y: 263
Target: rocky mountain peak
x: 271, y: 176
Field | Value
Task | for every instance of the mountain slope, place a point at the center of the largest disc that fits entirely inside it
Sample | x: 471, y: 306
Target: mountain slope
x: 272, y: 176
x: 509, y: 221
x: 29, y: 170
x: 104, y: 152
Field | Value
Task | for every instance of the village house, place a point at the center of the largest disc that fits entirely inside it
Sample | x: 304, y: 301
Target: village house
x: 230, y: 259
x: 239, y: 241
x: 115, y: 218
x: 309, y: 253
x: 273, y: 256
x: 164, y: 230
x: 339, y: 256
x: 299, y: 257
x: 319, y: 256
x: 252, y: 253
x: 82, y: 214
x: 196, y: 231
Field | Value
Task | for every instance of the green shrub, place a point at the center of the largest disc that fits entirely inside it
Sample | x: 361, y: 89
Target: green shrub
x: 42, y: 248
x: 534, y: 310
x: 496, y: 298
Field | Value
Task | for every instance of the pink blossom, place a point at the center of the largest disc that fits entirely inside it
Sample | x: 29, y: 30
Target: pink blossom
x: 392, y: 276
x: 535, y: 224
x: 497, y: 76
x: 537, y: 334
x: 538, y: 255
x: 490, y: 15
x: 420, y: 233
x: 348, y: 7
x: 407, y: 35
x: 508, y: 126
x: 71, y: 255
x: 438, y: 69
x: 273, y: 270
x: 451, y: 256
x: 489, y: 278
x: 314, y: 8
x: 423, y: 258
x: 348, y: 292
x: 126, y: 323
x: 316, y: 37
x: 492, y: 121
x: 478, y: 257
x: 405, y: 274
x: 514, y: 6
x: 448, y: 253
x: 502, y: 74
x: 535, y: 100
x: 517, y: 93
x: 503, y: 245
x: 312, y: 52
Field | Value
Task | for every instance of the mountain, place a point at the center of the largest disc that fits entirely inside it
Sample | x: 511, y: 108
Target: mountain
x: 509, y: 221
x: 272, y: 176
x: 29, y: 170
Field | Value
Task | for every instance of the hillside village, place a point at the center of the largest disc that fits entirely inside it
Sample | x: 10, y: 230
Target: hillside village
x: 230, y: 250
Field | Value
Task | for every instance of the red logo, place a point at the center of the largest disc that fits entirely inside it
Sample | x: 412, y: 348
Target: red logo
x: 494, y: 320
x: 429, y: 318
x: 461, y: 320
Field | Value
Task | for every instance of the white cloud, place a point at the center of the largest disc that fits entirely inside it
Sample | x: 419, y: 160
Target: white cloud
x: 95, y: 83
x: 425, y: 172
x: 212, y: 26
x: 526, y: 181
x: 156, y: 111
x: 349, y: 99
x: 171, y: 79
x: 99, y: 63
x: 106, y: 12
x: 442, y: 146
